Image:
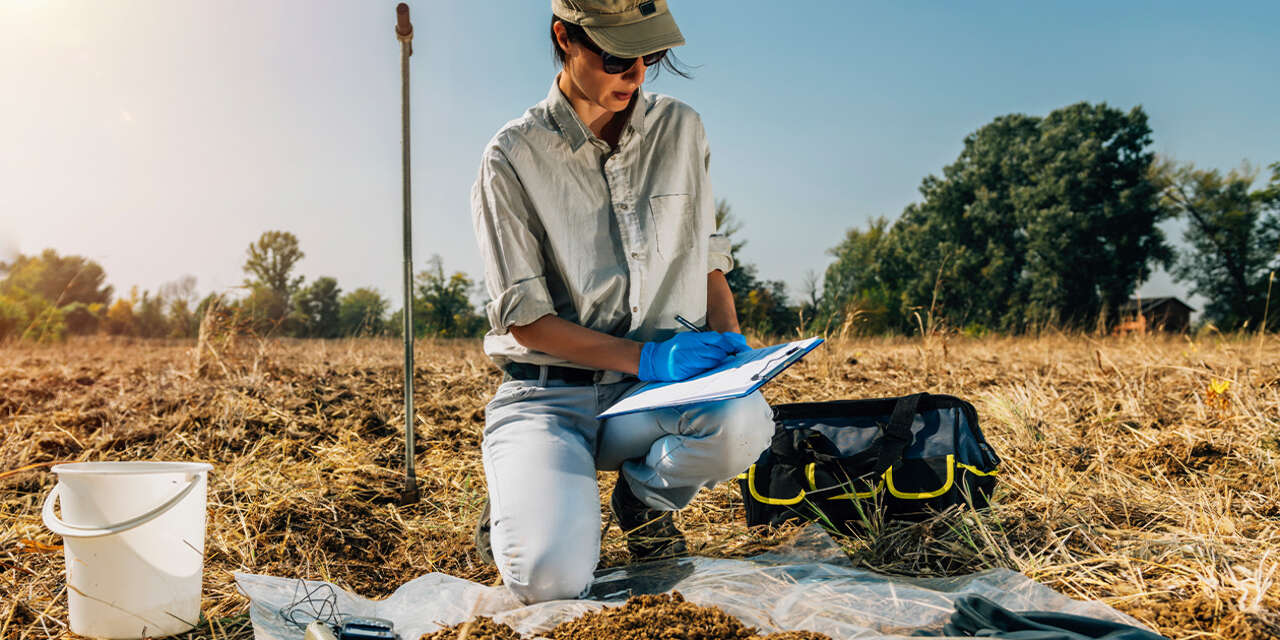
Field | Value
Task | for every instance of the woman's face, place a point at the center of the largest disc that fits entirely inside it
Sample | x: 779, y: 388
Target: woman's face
x: 611, y: 91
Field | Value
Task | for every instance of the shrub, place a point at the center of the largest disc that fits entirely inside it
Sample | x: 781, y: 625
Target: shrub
x: 81, y: 318
x: 13, y: 317
x: 47, y: 326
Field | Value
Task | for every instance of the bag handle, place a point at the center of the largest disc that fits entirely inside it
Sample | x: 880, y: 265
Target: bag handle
x: 67, y: 530
x: 897, y: 434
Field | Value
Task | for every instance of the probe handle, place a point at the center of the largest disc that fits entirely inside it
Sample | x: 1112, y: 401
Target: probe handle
x: 403, y: 28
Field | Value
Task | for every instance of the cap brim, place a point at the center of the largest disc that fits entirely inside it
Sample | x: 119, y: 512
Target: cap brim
x: 638, y: 38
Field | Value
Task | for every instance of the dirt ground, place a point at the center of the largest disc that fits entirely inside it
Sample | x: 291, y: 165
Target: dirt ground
x: 1140, y: 471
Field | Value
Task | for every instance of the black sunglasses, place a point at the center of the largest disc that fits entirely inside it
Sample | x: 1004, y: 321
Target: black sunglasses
x: 614, y: 64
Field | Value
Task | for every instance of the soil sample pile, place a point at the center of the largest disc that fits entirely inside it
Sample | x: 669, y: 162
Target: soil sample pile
x: 651, y: 617
x: 664, y: 617
x: 479, y: 629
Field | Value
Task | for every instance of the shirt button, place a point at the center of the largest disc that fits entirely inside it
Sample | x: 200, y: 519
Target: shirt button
x: 624, y: 206
x: 635, y: 309
x: 635, y: 254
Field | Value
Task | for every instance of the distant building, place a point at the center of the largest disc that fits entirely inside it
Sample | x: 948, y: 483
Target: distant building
x: 1154, y: 314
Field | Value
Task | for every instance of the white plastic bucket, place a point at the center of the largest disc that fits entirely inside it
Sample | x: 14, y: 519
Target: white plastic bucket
x: 133, y: 536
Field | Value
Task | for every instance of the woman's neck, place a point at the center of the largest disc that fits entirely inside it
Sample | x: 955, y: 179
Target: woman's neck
x: 606, y: 125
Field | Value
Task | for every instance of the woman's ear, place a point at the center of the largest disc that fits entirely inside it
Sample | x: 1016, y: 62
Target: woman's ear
x: 562, y: 37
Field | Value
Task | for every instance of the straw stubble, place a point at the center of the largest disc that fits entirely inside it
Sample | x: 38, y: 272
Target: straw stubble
x: 1141, y: 471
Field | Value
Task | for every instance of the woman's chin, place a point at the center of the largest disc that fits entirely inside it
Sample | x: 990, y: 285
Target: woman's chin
x: 613, y: 103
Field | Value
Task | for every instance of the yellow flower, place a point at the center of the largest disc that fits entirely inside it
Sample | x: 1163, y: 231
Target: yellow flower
x: 1215, y: 395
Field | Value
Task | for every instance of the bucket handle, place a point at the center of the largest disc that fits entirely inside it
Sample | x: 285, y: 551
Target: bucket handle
x: 67, y: 530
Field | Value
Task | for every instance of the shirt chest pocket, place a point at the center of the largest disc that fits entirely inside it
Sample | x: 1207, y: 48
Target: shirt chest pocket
x: 674, y: 224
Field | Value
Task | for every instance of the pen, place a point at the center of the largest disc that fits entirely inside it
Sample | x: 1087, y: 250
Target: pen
x: 688, y: 325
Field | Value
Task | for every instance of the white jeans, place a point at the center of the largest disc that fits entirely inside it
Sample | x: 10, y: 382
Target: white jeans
x: 543, y: 444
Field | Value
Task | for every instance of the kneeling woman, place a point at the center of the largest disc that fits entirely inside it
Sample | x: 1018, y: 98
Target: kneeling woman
x: 595, y: 219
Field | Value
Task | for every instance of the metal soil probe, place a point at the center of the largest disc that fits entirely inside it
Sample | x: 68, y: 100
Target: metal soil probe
x: 404, y: 33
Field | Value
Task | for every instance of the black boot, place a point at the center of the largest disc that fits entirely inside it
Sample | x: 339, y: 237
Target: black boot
x: 651, y: 533
x: 483, y: 548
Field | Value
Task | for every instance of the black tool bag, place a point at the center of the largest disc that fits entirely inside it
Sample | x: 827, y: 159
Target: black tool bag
x: 847, y: 462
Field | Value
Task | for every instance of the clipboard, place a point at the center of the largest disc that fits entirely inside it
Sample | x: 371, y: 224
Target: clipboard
x: 739, y: 376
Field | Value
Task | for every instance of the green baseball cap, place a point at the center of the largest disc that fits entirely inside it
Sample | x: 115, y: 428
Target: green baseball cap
x: 625, y: 28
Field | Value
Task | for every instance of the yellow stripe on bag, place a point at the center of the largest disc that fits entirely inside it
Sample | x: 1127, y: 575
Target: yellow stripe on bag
x: 908, y: 495
x: 813, y: 484
x: 976, y: 471
x: 886, y: 480
x: 750, y: 477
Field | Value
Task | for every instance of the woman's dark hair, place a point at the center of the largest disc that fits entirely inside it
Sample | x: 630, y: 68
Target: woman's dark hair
x: 577, y: 34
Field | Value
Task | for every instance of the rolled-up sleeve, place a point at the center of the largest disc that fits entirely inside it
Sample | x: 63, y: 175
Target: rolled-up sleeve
x: 719, y: 253
x: 508, y: 231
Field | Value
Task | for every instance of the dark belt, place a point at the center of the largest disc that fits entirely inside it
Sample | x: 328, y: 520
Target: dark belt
x: 525, y: 371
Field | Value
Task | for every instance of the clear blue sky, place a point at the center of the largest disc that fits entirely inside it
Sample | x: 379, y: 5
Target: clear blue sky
x: 161, y: 138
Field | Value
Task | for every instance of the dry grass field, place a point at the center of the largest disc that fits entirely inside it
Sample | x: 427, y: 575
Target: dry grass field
x: 1142, y: 471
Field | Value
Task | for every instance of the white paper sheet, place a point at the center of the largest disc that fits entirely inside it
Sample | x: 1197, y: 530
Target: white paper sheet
x: 739, y: 375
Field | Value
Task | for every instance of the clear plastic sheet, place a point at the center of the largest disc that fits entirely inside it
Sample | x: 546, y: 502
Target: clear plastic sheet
x: 807, y: 584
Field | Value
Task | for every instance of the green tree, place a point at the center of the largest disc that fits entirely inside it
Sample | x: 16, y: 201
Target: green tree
x: 270, y: 262
x: 765, y: 311
x: 317, y: 306
x: 149, y: 315
x: 362, y: 312
x: 446, y: 304
x: 13, y: 317
x: 83, y: 319
x: 1040, y: 220
x: 856, y: 290
x: 47, y: 325
x: 1234, y: 238
x: 182, y: 321
x: 264, y: 310
x: 119, y: 319
x: 442, y: 304
x: 1094, y: 211
x: 29, y: 316
x: 61, y: 280
x: 20, y: 310
x: 57, y: 294
x: 180, y: 296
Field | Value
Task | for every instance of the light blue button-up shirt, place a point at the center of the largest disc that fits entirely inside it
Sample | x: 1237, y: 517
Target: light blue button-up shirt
x: 619, y: 241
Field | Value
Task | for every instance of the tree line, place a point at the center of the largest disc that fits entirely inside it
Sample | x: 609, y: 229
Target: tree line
x: 1054, y: 221
x: 1040, y: 221
x: 46, y: 297
x: 280, y: 303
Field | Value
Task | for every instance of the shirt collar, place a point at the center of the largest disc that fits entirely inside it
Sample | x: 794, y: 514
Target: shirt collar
x: 637, y: 112
x: 573, y: 127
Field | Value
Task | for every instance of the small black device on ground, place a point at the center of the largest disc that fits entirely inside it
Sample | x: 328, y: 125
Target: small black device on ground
x: 366, y: 629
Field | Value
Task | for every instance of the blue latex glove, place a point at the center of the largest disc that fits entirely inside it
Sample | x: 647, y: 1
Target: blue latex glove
x: 739, y: 342
x: 686, y: 354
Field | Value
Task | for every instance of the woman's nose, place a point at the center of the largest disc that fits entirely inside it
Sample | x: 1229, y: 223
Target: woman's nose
x: 636, y: 72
